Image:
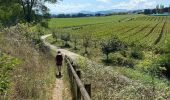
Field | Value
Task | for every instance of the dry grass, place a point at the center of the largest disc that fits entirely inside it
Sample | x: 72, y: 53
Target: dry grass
x: 35, y: 76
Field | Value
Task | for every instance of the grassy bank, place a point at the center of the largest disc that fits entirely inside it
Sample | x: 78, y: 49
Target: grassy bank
x: 34, y: 77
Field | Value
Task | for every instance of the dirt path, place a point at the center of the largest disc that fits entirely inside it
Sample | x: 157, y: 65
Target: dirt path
x: 59, y: 86
x: 57, y: 93
x: 72, y: 55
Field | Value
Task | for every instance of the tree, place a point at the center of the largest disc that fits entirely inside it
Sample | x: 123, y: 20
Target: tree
x: 9, y: 12
x: 86, y: 42
x: 147, y: 11
x: 106, y: 48
x: 12, y: 10
x: 161, y: 9
x: 31, y: 7
x: 112, y: 45
x: 66, y: 38
x: 157, y: 9
x: 169, y: 9
x: 75, y: 38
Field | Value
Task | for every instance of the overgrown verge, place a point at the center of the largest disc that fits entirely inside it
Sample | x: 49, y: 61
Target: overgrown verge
x: 34, y: 77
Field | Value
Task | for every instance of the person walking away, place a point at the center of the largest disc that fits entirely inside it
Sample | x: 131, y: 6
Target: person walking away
x: 59, y: 60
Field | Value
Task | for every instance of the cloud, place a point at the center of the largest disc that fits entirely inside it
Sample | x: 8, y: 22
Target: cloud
x: 136, y: 4
x: 105, y: 1
x: 96, y: 5
x: 67, y: 8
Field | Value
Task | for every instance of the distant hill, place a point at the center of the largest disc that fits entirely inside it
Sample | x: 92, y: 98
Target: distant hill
x: 105, y: 11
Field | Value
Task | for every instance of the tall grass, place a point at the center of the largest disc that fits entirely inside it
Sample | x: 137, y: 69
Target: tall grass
x: 107, y: 84
x: 34, y: 77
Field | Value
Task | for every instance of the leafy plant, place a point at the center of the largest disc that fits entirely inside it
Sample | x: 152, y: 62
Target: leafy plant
x: 111, y: 46
x: 7, y: 64
x: 66, y: 38
x: 136, y: 53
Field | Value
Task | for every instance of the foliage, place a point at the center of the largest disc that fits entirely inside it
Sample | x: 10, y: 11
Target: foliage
x: 112, y: 46
x: 165, y: 60
x: 34, y: 7
x: 136, y: 53
x: 7, y: 64
x: 107, y: 84
x: 66, y: 38
x: 139, y: 32
x: 10, y: 13
x: 34, y: 77
x: 86, y: 42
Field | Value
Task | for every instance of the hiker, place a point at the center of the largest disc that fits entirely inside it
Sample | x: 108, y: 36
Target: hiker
x: 59, y: 60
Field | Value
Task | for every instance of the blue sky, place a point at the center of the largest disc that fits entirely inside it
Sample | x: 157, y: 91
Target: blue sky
x: 73, y: 6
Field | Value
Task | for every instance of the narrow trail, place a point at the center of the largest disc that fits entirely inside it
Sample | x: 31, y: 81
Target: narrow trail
x: 59, y: 86
x: 57, y: 92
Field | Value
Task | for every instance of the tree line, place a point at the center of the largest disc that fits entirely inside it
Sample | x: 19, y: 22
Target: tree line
x: 84, y: 15
x: 160, y: 9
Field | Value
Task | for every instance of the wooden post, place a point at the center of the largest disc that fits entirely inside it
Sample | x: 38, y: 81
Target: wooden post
x: 88, y: 89
x: 78, y: 90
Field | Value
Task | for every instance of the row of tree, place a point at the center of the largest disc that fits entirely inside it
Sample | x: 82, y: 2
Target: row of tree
x: 84, y: 15
x: 160, y: 9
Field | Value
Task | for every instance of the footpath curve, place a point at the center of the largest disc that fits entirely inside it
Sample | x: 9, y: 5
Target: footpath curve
x: 59, y: 82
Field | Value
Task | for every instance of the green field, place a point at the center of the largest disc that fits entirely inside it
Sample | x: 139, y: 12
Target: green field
x: 70, y: 22
x: 146, y: 34
x: 147, y: 30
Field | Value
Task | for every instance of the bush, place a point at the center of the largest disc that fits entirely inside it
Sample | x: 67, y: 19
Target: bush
x: 165, y: 63
x: 122, y: 61
x: 137, y: 54
x: 44, y: 24
x: 66, y: 38
x: 111, y: 46
x: 7, y: 64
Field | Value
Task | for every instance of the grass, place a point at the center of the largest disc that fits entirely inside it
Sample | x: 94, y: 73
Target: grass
x: 69, y: 22
x: 35, y: 76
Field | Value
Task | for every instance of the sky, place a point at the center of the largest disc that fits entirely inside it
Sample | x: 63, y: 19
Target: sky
x: 74, y: 6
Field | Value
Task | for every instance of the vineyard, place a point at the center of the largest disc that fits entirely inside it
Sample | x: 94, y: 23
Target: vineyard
x: 145, y: 31
x: 138, y: 41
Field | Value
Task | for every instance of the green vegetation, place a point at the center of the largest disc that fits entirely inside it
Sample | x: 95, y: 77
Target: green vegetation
x: 34, y: 77
x: 87, y: 21
x: 144, y: 41
x: 7, y: 64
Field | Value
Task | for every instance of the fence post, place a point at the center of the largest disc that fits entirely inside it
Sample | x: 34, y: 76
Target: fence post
x: 78, y: 90
x: 88, y: 88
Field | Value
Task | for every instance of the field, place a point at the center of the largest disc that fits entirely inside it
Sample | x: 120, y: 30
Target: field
x: 70, y: 22
x: 146, y: 36
x: 147, y: 30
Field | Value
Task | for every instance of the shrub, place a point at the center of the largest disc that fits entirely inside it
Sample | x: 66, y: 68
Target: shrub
x: 122, y: 61
x: 137, y: 54
x: 86, y: 42
x: 165, y: 62
x: 66, y: 38
x: 111, y: 46
x: 106, y: 48
x: 7, y: 64
x: 44, y: 24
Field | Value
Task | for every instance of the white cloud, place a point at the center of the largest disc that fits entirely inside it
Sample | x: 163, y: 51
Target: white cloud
x: 66, y: 8
x: 106, y: 1
x: 136, y: 4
